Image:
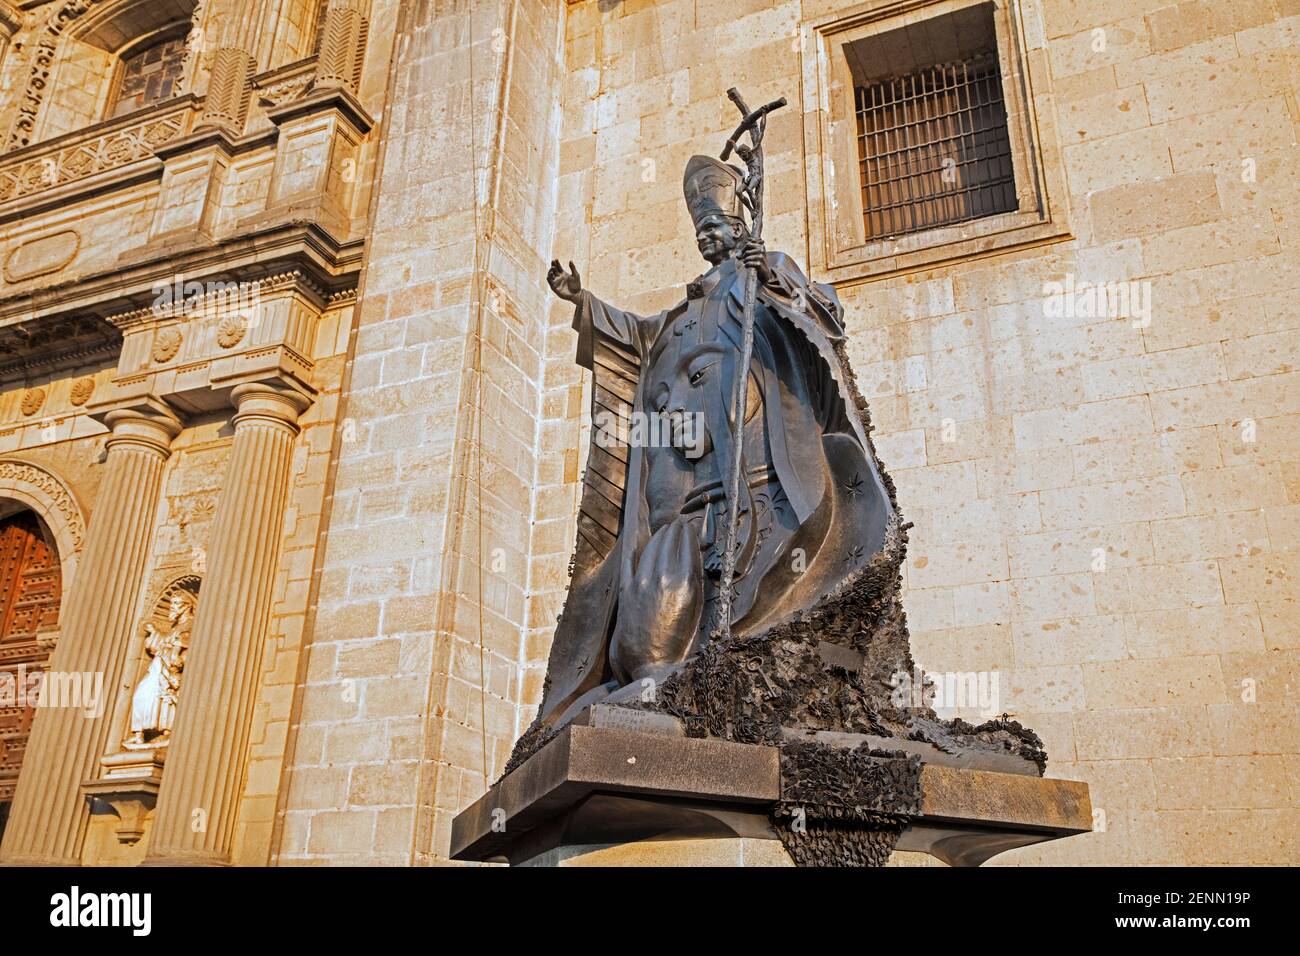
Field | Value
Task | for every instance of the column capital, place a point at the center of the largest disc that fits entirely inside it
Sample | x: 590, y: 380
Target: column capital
x: 149, y: 423
x: 268, y: 403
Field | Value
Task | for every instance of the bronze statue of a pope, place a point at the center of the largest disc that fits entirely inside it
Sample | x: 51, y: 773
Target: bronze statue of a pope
x: 810, y: 510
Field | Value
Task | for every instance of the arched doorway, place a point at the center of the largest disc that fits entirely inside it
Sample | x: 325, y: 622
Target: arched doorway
x: 30, y: 590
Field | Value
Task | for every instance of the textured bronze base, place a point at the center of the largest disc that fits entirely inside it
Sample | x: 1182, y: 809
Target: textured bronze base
x: 596, y: 784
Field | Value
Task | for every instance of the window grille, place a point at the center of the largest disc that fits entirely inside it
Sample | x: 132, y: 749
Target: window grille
x: 933, y: 148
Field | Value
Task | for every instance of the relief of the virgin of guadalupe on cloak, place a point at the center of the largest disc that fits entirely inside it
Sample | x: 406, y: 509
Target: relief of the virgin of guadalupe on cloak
x: 813, y: 507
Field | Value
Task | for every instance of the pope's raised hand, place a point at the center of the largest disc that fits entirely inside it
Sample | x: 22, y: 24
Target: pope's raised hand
x: 567, y: 285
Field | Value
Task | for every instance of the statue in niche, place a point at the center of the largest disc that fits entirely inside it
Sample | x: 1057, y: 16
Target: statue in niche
x: 153, y: 702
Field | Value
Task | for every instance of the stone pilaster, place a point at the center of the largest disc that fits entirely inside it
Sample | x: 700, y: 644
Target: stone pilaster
x: 49, y: 815
x: 197, y: 806
x: 434, y: 731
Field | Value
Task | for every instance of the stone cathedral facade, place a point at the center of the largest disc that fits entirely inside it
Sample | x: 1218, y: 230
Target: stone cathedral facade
x: 290, y: 426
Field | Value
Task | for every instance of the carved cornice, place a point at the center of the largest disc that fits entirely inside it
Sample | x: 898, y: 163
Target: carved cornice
x: 296, y: 279
x: 34, y: 345
x: 317, y: 101
x: 278, y: 248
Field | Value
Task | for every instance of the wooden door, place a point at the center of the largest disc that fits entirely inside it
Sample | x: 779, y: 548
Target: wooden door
x: 30, y: 591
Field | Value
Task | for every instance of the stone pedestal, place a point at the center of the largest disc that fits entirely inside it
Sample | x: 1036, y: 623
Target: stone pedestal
x: 610, y: 795
x: 720, y: 851
x: 129, y: 799
x: 49, y: 814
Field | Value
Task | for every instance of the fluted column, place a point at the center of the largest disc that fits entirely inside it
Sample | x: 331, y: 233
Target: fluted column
x: 194, y: 822
x: 47, y: 822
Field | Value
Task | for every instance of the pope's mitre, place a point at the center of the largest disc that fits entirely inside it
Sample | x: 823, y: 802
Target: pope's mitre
x: 712, y: 188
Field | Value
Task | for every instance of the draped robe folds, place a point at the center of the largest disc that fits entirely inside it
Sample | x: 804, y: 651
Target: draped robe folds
x: 810, y: 440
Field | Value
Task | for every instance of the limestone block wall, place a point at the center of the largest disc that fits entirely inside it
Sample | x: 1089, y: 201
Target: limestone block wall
x: 412, y: 694
x: 1106, y: 514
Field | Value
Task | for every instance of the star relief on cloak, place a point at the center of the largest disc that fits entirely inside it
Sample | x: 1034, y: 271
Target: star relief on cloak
x: 812, y: 506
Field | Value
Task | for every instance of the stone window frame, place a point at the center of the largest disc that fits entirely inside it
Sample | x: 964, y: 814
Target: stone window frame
x: 176, y: 31
x: 111, y: 32
x: 837, y: 247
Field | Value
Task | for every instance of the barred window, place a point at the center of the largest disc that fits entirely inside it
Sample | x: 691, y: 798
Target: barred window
x: 933, y: 148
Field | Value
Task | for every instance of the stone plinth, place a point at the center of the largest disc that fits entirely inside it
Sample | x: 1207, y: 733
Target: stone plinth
x: 595, y: 786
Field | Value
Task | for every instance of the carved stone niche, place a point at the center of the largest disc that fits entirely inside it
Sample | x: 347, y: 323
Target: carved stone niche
x: 129, y: 779
x: 157, y: 685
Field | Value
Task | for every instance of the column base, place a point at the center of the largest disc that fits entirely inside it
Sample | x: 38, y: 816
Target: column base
x: 15, y: 861
x: 187, y: 858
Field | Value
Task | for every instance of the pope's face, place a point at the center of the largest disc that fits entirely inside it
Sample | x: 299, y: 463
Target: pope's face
x: 716, y: 237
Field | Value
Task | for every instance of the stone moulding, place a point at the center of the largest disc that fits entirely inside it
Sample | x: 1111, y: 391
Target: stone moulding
x: 50, y: 498
x: 41, y: 255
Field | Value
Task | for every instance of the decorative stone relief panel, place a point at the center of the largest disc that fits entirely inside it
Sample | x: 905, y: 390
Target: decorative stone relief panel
x: 166, y: 343
x: 82, y: 389
x: 191, y: 499
x: 231, y: 330
x: 286, y: 89
x: 42, y: 255
x: 94, y: 155
x: 33, y: 399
